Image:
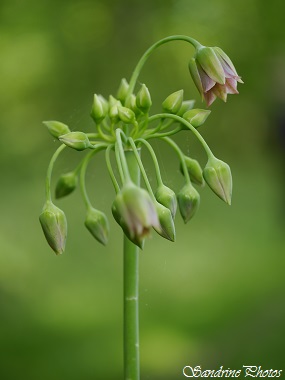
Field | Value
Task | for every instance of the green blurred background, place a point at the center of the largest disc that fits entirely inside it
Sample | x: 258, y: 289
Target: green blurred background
x: 216, y: 296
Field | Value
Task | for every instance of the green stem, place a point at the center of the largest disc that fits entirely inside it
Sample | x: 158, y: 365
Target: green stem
x: 187, y: 124
x: 181, y: 157
x: 50, y: 168
x: 145, y: 56
x: 131, y: 292
x: 110, y: 169
x: 153, y: 156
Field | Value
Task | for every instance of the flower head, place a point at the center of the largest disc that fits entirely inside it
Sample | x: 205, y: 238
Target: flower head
x: 213, y: 74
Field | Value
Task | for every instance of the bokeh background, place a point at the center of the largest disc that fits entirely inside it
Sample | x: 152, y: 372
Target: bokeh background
x: 216, y: 296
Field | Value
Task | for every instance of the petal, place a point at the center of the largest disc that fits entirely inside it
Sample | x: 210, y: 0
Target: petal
x: 209, y: 97
x: 231, y: 86
x: 220, y: 91
x: 207, y: 82
x: 195, y: 75
x: 222, y: 55
x: 211, y: 64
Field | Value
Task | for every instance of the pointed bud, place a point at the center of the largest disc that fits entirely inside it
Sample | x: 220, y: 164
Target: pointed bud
x: 143, y: 99
x: 76, y: 140
x: 97, y: 224
x: 173, y: 102
x: 98, y: 111
x: 194, y: 169
x: 167, y: 198
x: 166, y: 228
x: 131, y: 103
x: 66, y: 184
x: 113, y: 109
x: 56, y: 128
x: 135, y: 212
x: 126, y: 115
x: 218, y: 176
x: 188, y: 201
x: 123, y: 90
x: 54, y: 226
x: 187, y: 105
x: 196, y: 117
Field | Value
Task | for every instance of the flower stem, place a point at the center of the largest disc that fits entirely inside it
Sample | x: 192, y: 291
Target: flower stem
x: 131, y: 292
x: 144, y: 58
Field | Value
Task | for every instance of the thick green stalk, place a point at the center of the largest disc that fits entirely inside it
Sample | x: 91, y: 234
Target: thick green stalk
x: 131, y: 292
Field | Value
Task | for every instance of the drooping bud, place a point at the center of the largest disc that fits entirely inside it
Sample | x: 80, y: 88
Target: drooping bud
x: 188, y: 201
x: 98, y: 111
x: 173, y: 102
x: 123, y: 90
x: 166, y: 228
x: 143, y: 99
x: 54, y: 225
x: 76, y: 140
x: 218, y: 176
x: 135, y: 212
x: 210, y: 64
x: 56, y: 128
x: 194, y: 169
x: 187, y: 105
x: 66, y: 184
x: 167, y: 198
x: 97, y: 223
x: 196, y: 117
x: 126, y: 115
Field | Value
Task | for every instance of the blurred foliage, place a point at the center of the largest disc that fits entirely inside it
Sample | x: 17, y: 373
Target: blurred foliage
x: 216, y: 296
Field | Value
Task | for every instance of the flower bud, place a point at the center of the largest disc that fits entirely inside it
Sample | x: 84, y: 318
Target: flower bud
x: 188, y: 201
x: 98, y: 111
x: 123, y: 90
x: 173, y: 102
x: 143, y: 99
x: 218, y: 176
x: 186, y: 106
x: 66, y: 184
x: 54, y: 225
x: 194, y: 169
x: 126, y: 115
x: 76, y: 140
x: 131, y: 103
x: 196, y: 117
x: 167, y: 198
x: 166, y: 228
x: 135, y: 212
x: 56, y: 128
x: 113, y: 109
x: 97, y: 223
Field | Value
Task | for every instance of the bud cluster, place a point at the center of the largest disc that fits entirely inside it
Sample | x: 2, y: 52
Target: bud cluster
x: 122, y: 124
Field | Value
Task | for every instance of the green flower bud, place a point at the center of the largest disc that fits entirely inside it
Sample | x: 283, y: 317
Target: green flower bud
x: 167, y: 198
x: 197, y: 116
x: 194, y: 169
x: 131, y: 104
x: 126, y: 115
x: 97, y: 223
x: 66, y: 184
x: 113, y: 110
x: 104, y: 103
x: 123, y: 90
x: 54, y: 225
x: 218, y: 176
x: 173, y: 102
x: 143, y: 99
x: 76, y: 140
x: 188, y: 201
x: 98, y: 111
x: 135, y: 212
x: 56, y: 128
x: 166, y: 228
x: 186, y: 106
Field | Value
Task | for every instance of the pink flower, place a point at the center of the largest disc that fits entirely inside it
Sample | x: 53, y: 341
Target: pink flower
x: 213, y: 74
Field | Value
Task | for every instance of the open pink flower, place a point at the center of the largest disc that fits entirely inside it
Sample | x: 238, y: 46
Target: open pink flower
x: 213, y: 74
